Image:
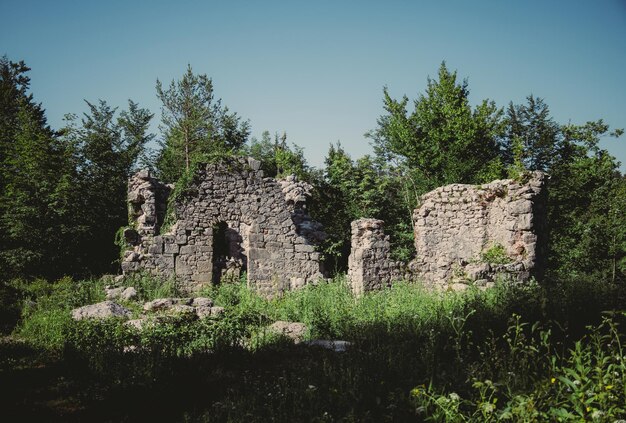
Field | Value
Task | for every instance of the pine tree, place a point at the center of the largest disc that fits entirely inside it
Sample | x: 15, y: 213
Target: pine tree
x: 195, y: 125
x: 106, y: 149
x: 33, y: 165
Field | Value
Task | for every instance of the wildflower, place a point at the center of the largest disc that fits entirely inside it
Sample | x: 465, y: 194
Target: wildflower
x: 488, y: 407
x: 553, y: 380
x: 415, y: 392
x: 597, y: 414
x: 588, y: 409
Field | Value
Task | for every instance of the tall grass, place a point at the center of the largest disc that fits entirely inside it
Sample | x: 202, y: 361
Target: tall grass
x: 515, y: 352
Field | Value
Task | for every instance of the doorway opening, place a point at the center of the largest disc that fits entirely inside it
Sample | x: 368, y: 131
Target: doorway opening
x: 229, y: 258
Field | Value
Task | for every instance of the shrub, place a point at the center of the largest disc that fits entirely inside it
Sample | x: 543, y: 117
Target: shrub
x: 496, y: 254
x: 46, y: 309
x: 150, y: 287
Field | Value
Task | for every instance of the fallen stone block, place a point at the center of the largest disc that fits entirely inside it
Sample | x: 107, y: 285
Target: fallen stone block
x: 120, y: 293
x: 161, y: 304
x: 103, y: 310
x: 292, y: 330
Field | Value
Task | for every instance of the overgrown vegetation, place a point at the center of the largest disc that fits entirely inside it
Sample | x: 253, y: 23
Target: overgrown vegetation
x: 545, y: 351
x: 496, y: 254
x: 513, y: 352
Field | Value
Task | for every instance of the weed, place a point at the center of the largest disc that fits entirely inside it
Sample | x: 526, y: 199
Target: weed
x: 496, y: 254
x: 513, y: 353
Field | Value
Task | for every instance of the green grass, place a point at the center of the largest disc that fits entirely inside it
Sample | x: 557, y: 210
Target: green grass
x: 513, y: 353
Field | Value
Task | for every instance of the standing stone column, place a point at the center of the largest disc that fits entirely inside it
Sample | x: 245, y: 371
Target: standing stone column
x: 369, y: 265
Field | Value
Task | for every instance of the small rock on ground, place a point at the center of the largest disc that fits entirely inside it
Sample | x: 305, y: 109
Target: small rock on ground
x: 101, y: 310
x: 165, y: 303
x: 292, y: 330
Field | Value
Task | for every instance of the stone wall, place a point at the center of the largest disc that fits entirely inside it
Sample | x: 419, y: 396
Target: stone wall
x: 469, y: 234
x: 464, y: 235
x: 230, y: 219
x: 370, y: 266
x: 147, y: 202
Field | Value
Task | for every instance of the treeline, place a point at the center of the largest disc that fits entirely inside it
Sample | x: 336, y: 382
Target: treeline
x: 63, y: 191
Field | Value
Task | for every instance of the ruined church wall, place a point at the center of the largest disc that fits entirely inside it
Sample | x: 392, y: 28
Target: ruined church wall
x: 370, y: 266
x: 458, y: 225
x: 267, y: 224
x: 464, y: 235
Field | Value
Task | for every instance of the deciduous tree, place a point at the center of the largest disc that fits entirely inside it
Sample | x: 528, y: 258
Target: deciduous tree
x: 444, y: 139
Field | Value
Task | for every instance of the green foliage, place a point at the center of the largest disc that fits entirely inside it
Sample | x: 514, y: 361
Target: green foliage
x: 496, y: 254
x: 584, y: 230
x: 120, y: 240
x: 532, y: 138
x: 586, y: 383
x: 277, y: 158
x: 194, y: 123
x: 436, y: 137
x: 46, y: 309
x: 439, y: 356
x: 105, y: 150
x: 150, y: 287
x: 62, y: 194
x: 33, y: 182
x: 586, y: 199
x: 350, y: 190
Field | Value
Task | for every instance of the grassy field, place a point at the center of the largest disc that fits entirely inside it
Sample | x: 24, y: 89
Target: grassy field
x: 549, y: 352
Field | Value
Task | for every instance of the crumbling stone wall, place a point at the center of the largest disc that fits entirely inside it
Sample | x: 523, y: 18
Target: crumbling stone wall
x: 369, y: 264
x: 147, y: 202
x: 460, y: 228
x: 464, y: 234
x: 265, y: 228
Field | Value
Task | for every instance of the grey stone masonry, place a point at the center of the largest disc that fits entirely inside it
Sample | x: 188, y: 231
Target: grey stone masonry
x: 147, y: 203
x: 229, y: 219
x: 468, y: 233
x: 369, y: 264
x: 464, y: 235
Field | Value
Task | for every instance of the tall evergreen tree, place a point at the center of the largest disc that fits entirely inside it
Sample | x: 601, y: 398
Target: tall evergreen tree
x: 586, y: 203
x: 106, y: 149
x: 194, y: 124
x: 33, y: 169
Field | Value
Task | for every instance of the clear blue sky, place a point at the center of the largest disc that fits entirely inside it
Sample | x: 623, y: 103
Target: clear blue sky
x: 316, y: 69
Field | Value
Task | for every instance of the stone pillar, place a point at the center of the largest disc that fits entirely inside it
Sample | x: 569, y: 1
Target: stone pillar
x: 369, y: 267
x: 147, y: 201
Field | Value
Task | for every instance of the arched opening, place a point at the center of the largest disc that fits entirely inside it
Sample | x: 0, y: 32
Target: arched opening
x: 229, y: 257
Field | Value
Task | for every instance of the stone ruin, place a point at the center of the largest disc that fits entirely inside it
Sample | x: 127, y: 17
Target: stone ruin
x: 231, y: 219
x: 464, y: 235
x: 228, y: 220
x: 369, y: 265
